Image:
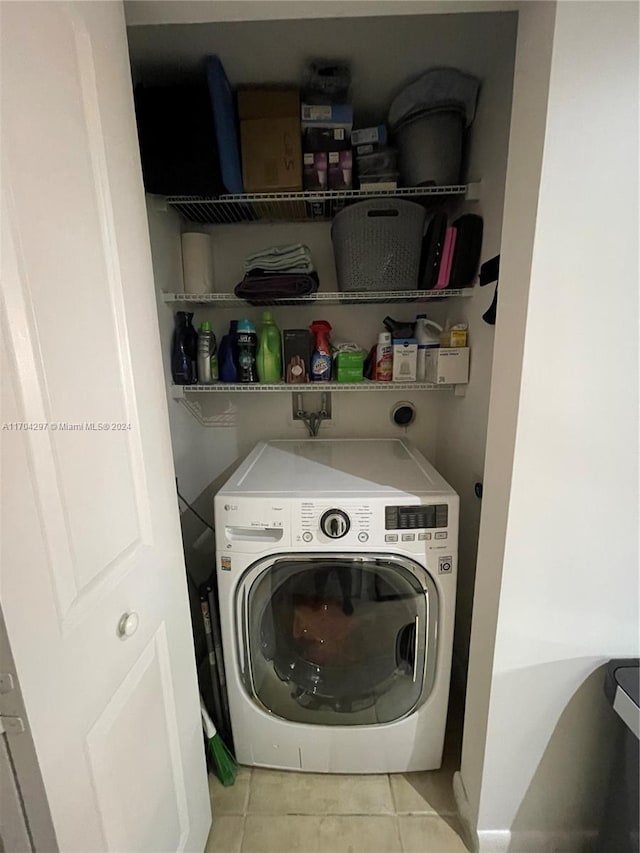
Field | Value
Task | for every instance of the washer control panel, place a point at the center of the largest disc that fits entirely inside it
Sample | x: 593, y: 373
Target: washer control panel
x: 349, y: 523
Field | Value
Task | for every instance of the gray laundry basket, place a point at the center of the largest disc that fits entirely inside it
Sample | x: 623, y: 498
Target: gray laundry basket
x: 377, y: 245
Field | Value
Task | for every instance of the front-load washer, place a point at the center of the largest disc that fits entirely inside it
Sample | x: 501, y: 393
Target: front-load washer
x: 336, y: 566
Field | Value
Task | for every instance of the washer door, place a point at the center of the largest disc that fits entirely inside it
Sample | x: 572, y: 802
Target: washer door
x: 345, y: 639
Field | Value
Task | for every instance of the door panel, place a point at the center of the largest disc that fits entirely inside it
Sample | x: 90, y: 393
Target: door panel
x: 132, y: 819
x: 90, y: 524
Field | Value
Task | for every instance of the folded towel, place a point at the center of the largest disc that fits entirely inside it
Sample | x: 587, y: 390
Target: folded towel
x: 291, y: 258
x: 259, y: 286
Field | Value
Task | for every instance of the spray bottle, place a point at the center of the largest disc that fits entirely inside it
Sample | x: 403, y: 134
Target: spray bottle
x: 321, y: 358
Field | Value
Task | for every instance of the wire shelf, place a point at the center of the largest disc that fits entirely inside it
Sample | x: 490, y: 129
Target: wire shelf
x: 178, y: 391
x: 297, y: 207
x: 330, y: 298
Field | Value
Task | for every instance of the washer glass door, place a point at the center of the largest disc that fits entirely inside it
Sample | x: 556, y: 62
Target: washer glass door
x: 340, y: 640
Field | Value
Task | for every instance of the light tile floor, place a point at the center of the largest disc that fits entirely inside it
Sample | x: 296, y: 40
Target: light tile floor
x: 269, y: 811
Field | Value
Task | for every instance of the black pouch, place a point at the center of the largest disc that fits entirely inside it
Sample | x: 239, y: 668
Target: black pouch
x: 466, y: 255
x: 432, y: 246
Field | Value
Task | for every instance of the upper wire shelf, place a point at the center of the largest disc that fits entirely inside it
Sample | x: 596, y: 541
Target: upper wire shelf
x: 298, y: 207
x: 321, y: 298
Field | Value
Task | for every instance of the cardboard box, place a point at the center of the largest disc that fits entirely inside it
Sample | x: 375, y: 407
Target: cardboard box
x: 325, y: 139
x: 268, y: 102
x: 405, y: 360
x: 447, y: 365
x: 348, y: 366
x: 270, y: 139
x: 340, y: 170
x: 315, y: 170
x: 369, y: 136
x: 327, y: 115
x: 297, y: 345
x: 326, y: 127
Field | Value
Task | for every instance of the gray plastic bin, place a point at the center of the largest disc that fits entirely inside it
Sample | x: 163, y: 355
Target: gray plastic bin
x: 377, y: 245
x: 620, y: 832
x: 430, y: 147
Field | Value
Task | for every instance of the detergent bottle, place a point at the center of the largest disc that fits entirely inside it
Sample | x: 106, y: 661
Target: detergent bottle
x: 426, y: 339
x: 321, y: 358
x: 247, y: 344
x: 227, y: 360
x: 269, y: 358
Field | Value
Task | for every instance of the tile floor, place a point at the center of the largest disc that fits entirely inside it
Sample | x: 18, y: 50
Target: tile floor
x: 269, y: 811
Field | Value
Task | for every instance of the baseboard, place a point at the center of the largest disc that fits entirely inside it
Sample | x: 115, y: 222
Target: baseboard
x: 464, y: 813
x: 516, y: 841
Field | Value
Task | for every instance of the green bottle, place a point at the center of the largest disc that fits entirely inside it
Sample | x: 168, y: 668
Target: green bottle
x: 269, y: 358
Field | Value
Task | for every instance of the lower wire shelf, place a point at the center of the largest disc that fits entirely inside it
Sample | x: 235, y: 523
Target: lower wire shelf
x: 179, y: 391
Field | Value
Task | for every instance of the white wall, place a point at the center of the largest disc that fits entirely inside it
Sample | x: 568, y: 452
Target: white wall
x: 144, y: 12
x: 569, y: 597
x: 384, y: 53
x: 462, y: 421
x: 528, y: 124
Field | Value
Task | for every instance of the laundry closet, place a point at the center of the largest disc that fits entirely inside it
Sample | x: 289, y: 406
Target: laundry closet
x: 212, y: 427
x: 100, y: 707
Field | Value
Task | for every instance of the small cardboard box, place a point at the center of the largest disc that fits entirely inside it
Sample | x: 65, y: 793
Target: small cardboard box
x: 405, y: 360
x: 348, y: 366
x: 325, y: 139
x: 328, y: 116
x: 447, y: 365
x: 297, y: 345
x: 270, y: 139
x: 315, y: 170
x: 340, y: 170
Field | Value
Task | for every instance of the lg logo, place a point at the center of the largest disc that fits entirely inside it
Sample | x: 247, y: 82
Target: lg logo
x: 230, y: 507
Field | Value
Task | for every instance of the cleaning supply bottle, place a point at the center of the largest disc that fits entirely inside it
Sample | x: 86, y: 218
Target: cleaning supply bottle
x: 206, y: 343
x: 247, y: 344
x: 383, y: 368
x: 269, y: 358
x: 227, y: 365
x: 180, y: 355
x: 192, y: 345
x: 213, y: 361
x: 321, y: 358
x: 426, y: 339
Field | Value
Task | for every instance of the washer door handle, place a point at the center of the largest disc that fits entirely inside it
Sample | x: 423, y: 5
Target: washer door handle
x: 415, y: 651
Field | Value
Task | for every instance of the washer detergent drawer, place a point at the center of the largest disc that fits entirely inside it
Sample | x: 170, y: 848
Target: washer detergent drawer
x: 340, y: 639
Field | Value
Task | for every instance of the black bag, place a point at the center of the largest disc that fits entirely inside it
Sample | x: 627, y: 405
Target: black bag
x: 466, y: 255
x: 178, y: 142
x: 432, y: 246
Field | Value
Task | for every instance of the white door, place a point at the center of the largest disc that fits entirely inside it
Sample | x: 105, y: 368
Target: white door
x: 90, y: 528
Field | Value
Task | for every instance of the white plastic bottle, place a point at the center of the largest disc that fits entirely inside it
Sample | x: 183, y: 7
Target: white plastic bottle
x: 427, y: 339
x: 383, y: 371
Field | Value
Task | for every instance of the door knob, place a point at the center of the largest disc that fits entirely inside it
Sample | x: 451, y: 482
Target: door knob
x: 128, y: 624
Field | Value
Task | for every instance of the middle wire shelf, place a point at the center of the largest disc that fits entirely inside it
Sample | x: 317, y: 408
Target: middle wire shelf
x: 320, y: 298
x: 179, y: 391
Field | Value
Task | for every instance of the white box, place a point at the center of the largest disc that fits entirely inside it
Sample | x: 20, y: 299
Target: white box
x: 405, y: 360
x: 447, y: 365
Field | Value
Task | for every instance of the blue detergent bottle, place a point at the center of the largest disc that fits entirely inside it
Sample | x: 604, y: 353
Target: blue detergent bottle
x: 227, y: 366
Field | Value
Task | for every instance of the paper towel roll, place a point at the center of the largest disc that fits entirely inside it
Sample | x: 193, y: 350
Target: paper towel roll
x: 197, y: 263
